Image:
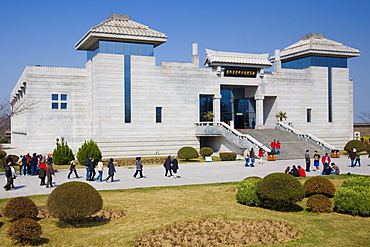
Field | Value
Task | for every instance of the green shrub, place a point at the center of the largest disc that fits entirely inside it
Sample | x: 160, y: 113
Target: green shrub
x: 20, y: 207
x: 4, y: 139
x: 187, y: 153
x: 359, y: 145
x: 206, y: 151
x: 25, y: 231
x: 73, y: 201
x: 352, y: 200
x: 319, y: 185
x: 62, y: 154
x: 368, y: 148
x: 228, y: 156
x: 319, y: 204
x: 252, y: 177
x: 88, y: 149
x: 247, y: 192
x: 278, y: 191
x: 2, y: 154
x: 362, y: 181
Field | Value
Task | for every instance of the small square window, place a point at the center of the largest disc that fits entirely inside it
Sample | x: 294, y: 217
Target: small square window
x: 63, y: 97
x: 54, y: 105
x: 54, y: 97
x: 63, y: 105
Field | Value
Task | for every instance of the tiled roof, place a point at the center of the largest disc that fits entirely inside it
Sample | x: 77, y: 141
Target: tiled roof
x: 224, y: 58
x: 121, y: 28
x: 316, y: 44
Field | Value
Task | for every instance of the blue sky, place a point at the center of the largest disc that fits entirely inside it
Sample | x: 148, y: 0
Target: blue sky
x: 44, y: 32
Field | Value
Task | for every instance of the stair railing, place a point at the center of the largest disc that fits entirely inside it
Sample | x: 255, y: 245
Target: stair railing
x: 222, y: 129
x: 326, y: 147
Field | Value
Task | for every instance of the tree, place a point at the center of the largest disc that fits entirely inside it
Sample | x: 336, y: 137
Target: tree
x: 281, y: 115
x: 88, y: 149
x: 62, y: 154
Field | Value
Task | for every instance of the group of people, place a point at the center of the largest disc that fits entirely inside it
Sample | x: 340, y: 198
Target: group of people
x: 171, y: 165
x: 328, y: 167
x: 275, y: 147
x: 295, y: 171
x: 90, y: 170
x: 250, y: 157
x: 355, y: 157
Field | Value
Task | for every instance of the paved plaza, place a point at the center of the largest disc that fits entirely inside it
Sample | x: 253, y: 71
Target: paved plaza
x: 191, y: 173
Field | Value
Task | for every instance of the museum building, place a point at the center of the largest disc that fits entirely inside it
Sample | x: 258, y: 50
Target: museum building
x: 132, y: 107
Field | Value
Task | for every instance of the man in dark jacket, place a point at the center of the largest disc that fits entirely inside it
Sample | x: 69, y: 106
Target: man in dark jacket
x: 34, y: 164
x: 294, y: 171
x: 167, y: 166
x: 8, y: 175
x: 92, y: 169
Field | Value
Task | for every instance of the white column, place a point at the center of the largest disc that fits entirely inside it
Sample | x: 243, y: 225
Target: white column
x: 217, y: 108
x: 195, y: 55
x: 259, y: 112
x: 277, y: 62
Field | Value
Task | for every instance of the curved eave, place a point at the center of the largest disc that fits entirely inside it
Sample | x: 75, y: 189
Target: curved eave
x: 91, y: 38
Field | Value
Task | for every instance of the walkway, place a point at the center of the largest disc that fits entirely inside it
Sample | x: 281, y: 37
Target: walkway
x: 198, y: 173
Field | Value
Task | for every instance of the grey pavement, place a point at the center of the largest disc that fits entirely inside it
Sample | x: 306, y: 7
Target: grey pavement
x: 191, y: 173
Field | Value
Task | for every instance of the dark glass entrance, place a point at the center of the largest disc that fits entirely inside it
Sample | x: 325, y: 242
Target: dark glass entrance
x: 237, y: 108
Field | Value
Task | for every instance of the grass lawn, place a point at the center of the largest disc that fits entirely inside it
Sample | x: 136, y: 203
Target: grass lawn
x: 151, y: 208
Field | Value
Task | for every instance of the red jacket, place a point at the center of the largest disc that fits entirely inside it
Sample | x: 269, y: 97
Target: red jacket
x: 277, y: 145
x: 261, y: 153
x: 325, y: 159
x: 301, y: 172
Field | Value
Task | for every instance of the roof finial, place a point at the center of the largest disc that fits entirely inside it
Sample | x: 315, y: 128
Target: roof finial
x: 313, y: 35
x: 119, y: 17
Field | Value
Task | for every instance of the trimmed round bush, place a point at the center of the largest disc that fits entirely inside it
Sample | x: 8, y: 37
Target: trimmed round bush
x: 73, y: 201
x: 20, y: 207
x: 229, y: 156
x: 319, y: 185
x: 25, y: 231
x: 319, y: 204
x: 359, y: 145
x: 187, y: 153
x: 247, y: 192
x: 206, y: 151
x: 361, y: 181
x: 253, y: 177
x: 352, y: 200
x: 278, y: 191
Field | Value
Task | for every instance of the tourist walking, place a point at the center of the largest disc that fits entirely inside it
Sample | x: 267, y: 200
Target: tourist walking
x: 100, y: 171
x: 20, y: 164
x: 246, y: 155
x: 167, y: 166
x: 260, y: 155
x: 352, y: 156
x: 308, y: 160
x: 87, y: 165
x: 111, y: 170
x: 49, y: 175
x: 25, y: 165
x: 42, y: 173
x: 316, y: 161
x: 14, y: 175
x: 175, y: 167
x: 8, y: 176
x: 358, y: 159
x: 72, y: 168
x: 139, y: 167
x: 252, y: 156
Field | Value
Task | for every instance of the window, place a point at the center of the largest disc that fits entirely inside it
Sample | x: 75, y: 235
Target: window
x: 308, y: 115
x: 59, y: 101
x: 158, y: 114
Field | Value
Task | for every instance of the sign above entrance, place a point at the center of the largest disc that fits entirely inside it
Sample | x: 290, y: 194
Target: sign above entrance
x: 240, y: 72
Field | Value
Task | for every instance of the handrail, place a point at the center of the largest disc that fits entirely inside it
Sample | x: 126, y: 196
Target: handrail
x: 307, y: 137
x: 229, y: 133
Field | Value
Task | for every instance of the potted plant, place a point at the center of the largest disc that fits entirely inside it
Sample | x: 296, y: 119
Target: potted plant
x: 280, y: 115
x: 209, y: 115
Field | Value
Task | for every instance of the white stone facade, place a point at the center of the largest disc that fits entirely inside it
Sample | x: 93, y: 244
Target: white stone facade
x: 95, y: 104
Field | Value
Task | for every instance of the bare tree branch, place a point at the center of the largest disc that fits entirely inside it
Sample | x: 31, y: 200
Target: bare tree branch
x: 364, y: 116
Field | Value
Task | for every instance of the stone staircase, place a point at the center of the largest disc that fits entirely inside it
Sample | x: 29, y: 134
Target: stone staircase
x: 291, y: 148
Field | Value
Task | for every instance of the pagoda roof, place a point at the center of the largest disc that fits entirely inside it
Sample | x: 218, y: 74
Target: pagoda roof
x: 120, y: 28
x: 222, y: 58
x: 316, y: 45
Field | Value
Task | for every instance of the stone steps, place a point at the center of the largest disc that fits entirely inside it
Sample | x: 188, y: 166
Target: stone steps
x: 291, y: 148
